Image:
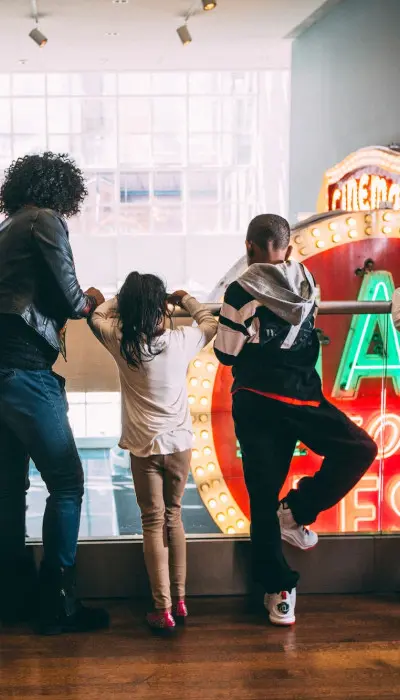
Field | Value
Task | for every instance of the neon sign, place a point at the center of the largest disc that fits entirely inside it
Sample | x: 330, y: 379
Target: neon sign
x: 366, y: 180
x: 364, y: 193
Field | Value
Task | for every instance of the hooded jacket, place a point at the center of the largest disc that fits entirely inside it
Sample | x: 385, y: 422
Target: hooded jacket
x: 266, y: 332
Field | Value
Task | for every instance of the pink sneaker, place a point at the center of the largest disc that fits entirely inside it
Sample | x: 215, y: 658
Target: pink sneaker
x: 161, y: 621
x: 180, y: 612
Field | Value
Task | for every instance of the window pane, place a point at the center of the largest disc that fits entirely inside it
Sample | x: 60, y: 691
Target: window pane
x: 59, y: 115
x: 135, y: 187
x: 58, y: 83
x: 5, y: 116
x: 94, y: 150
x: 203, y: 219
x: 29, y: 116
x: 28, y: 144
x: 169, y: 83
x: 169, y: 114
x: 134, y: 115
x: 237, y: 149
x: 134, y: 150
x: 168, y: 149
x: 204, y: 83
x: 134, y: 83
x: 202, y: 186
x: 134, y: 220
x: 168, y: 186
x: 204, y: 149
x: 28, y: 84
x: 239, y: 115
x: 167, y: 219
x: 5, y: 151
x: 5, y: 84
x: 204, y: 114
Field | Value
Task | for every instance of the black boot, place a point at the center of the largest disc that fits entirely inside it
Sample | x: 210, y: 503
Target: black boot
x: 60, y: 610
x: 19, y: 589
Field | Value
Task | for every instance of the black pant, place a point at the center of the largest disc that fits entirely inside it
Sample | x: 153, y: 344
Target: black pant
x: 268, y: 431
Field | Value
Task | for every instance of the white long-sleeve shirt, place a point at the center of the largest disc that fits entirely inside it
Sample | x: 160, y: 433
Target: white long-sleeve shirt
x: 154, y: 403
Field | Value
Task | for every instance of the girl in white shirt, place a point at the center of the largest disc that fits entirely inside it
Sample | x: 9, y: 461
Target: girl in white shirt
x: 152, y: 359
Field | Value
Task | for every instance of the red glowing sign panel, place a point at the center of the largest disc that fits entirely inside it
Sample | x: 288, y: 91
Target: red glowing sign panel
x: 361, y: 376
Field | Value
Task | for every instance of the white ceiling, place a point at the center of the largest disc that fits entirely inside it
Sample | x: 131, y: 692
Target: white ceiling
x: 237, y: 34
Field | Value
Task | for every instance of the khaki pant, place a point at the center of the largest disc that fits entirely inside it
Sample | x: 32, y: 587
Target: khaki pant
x: 159, y: 484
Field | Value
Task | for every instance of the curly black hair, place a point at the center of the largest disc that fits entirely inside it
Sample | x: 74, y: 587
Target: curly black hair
x: 49, y: 181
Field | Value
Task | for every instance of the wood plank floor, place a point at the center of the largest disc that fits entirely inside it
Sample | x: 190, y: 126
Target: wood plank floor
x: 342, y: 647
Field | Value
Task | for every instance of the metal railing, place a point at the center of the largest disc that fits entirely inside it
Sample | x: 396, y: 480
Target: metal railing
x: 325, y: 308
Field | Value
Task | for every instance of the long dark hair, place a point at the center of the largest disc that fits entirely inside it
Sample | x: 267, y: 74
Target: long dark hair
x: 142, y: 308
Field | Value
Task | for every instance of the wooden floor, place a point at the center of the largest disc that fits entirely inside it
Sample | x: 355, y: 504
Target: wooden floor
x: 341, y: 647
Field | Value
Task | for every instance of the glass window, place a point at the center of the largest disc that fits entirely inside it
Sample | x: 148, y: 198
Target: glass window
x: 169, y: 114
x: 168, y: 149
x: 134, y: 151
x: 168, y: 186
x: 167, y: 219
x: 138, y: 83
x: 28, y: 84
x: 5, y: 151
x: 204, y: 114
x: 134, y: 220
x: 28, y: 144
x: 164, y: 83
x: 5, y: 116
x: 134, y: 188
x: 5, y: 83
x: 134, y: 115
x: 29, y: 115
x: 204, y: 83
x: 202, y: 186
x: 204, y: 149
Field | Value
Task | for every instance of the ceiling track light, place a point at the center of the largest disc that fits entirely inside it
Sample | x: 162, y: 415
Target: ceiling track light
x: 38, y: 37
x: 209, y: 5
x: 184, y: 35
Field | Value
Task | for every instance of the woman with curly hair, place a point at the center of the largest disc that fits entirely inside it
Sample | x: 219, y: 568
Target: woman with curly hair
x: 39, y: 291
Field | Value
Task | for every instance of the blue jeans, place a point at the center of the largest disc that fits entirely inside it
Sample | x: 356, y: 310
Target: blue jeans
x: 34, y: 424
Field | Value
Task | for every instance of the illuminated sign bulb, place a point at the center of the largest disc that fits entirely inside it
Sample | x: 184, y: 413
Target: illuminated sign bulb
x: 221, y: 517
x: 207, y: 451
x: 387, y: 216
x: 206, y: 384
x: 210, y: 367
x: 231, y: 512
x: 336, y: 238
x: 351, y: 222
x: 223, y: 497
x: 191, y: 400
x: 211, y: 467
x: 315, y: 232
x: 332, y: 226
x: 230, y: 531
x: 387, y: 229
x: 204, y: 434
x: 200, y: 471
x: 353, y: 234
x: 193, y: 381
x: 368, y: 230
x: 320, y: 244
x: 240, y: 524
x: 212, y: 503
x: 197, y: 363
x: 195, y: 454
x: 204, y: 401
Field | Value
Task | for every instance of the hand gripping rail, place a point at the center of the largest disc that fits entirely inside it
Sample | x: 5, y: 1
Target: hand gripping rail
x: 326, y: 308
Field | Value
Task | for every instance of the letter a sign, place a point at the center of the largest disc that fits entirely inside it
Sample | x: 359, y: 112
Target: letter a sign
x: 372, y: 346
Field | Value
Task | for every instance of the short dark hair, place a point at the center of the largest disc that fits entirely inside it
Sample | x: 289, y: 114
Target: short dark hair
x: 269, y: 228
x: 48, y: 181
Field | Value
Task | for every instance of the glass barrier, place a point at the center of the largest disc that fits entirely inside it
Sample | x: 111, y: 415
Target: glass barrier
x: 360, y: 368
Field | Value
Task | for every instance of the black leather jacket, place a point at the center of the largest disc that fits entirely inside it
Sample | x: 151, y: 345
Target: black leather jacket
x: 37, y: 273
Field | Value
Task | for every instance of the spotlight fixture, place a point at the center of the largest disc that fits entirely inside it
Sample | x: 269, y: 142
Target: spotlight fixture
x: 39, y: 38
x: 209, y: 5
x: 184, y: 34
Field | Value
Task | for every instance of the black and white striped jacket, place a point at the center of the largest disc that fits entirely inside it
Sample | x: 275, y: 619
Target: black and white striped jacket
x: 250, y: 339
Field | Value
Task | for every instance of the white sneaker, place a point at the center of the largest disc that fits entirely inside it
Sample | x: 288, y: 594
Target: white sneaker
x: 281, y: 607
x: 294, y: 534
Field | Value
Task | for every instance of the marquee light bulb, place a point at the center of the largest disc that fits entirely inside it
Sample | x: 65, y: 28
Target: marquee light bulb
x: 197, y: 363
x: 332, y: 226
x: 195, y: 454
x: 240, y: 524
x: 193, y: 381
x: 223, y: 497
x: 204, y: 401
x: 209, y: 5
x: 212, y: 503
x: 315, y: 232
x: 231, y: 512
x: 221, y: 517
x: 206, y: 384
x: 230, y: 531
x: 336, y: 238
x: 387, y: 229
x: 191, y: 400
x: 353, y: 234
x: 207, y: 451
x: 200, y: 471
x: 210, y: 367
x: 351, y: 222
x: 211, y: 467
x: 204, y: 434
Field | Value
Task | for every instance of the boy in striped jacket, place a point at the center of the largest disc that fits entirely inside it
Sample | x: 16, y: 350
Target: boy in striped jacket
x: 267, y: 334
